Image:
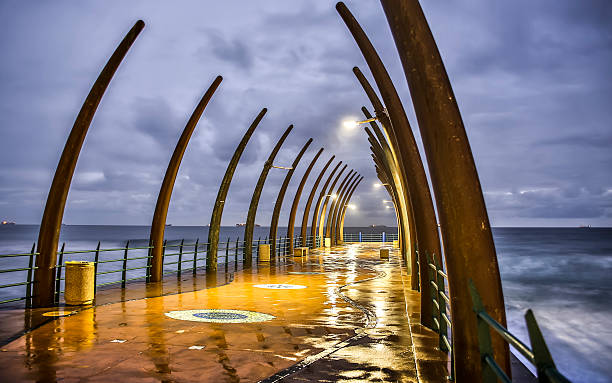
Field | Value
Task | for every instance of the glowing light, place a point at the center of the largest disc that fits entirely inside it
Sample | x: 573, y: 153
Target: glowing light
x: 350, y: 124
x: 352, y: 207
x: 377, y: 185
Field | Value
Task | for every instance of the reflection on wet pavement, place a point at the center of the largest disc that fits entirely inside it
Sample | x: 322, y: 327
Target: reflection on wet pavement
x: 348, y: 324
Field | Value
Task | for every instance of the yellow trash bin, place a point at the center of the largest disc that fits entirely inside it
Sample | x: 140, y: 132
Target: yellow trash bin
x: 264, y: 253
x: 327, y: 242
x: 79, y: 283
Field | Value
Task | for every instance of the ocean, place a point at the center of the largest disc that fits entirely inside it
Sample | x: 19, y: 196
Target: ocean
x: 563, y: 274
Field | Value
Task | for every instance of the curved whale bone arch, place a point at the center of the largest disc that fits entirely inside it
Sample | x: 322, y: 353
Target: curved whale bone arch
x: 326, y: 197
x: 279, y: 201
x: 344, y: 208
x: 334, y: 204
x: 468, y: 243
x: 340, y: 201
x: 315, y: 213
x: 252, y: 213
x: 217, y: 213
x: 50, y: 226
x: 306, y: 213
x: 158, y: 224
x: 296, y: 201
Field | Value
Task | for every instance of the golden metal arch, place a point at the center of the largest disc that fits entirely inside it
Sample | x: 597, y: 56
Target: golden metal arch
x: 279, y: 201
x: 338, y: 208
x: 343, y: 215
x: 158, y: 225
x: 50, y: 226
x: 325, y: 202
x: 304, y: 228
x: 296, y: 201
x: 250, y: 222
x: 217, y: 213
x: 315, y: 213
x: 335, y: 203
x: 464, y: 222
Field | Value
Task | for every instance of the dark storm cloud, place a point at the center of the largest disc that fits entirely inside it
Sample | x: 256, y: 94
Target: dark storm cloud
x: 233, y: 51
x: 531, y: 79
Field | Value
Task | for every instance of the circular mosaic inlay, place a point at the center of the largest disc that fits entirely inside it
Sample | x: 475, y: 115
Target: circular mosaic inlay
x: 305, y: 272
x: 219, y: 316
x: 280, y: 286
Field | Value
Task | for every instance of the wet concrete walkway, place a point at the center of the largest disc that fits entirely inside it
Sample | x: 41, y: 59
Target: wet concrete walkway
x: 342, y: 315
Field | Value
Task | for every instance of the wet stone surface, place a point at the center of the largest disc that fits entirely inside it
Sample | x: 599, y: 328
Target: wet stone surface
x: 346, y: 323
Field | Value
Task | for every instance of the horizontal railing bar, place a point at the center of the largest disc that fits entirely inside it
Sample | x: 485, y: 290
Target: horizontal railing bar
x: 111, y: 261
x: 133, y: 259
x: 11, y: 300
x: 15, y: 284
x: 511, y: 339
x: 16, y: 255
x: 21, y: 269
x: 109, y: 272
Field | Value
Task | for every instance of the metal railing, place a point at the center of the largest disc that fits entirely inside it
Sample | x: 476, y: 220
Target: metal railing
x: 538, y: 354
x: 134, y: 260
x: 370, y: 237
x: 179, y: 257
x: 438, y: 281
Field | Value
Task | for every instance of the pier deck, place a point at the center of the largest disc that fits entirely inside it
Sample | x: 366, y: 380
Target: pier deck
x: 353, y: 319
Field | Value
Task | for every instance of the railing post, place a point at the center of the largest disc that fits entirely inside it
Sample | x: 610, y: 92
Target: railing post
x: 227, y: 252
x: 542, y: 358
x: 441, y: 306
x: 195, y: 255
x: 360, y: 237
x: 58, y: 274
x: 180, y: 259
x: 148, y: 269
x: 484, y: 337
x: 28, y: 294
x: 96, y: 258
x: 237, y: 248
x: 163, y: 259
x: 257, y: 249
x: 418, y: 274
x: 124, y: 268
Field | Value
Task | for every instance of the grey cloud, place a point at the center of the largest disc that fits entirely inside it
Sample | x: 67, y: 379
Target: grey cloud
x: 530, y: 78
x: 231, y: 50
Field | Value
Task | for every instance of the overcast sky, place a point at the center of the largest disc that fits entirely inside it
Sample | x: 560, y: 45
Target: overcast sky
x: 532, y: 79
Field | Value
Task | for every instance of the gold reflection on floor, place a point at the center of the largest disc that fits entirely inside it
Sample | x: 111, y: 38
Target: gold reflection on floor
x: 352, y: 296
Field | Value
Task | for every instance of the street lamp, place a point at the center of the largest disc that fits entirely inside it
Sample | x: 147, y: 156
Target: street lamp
x: 377, y: 185
x: 353, y: 124
x: 351, y: 206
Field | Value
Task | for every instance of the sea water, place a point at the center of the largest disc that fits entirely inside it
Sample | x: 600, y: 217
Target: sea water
x: 563, y: 274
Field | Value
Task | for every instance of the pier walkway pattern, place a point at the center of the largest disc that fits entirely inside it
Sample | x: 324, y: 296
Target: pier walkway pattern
x: 354, y: 318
